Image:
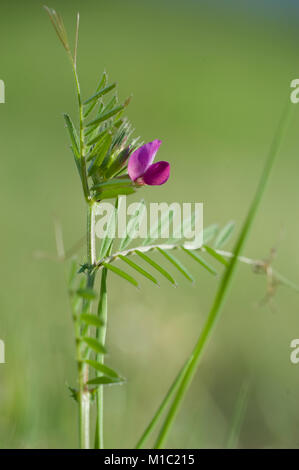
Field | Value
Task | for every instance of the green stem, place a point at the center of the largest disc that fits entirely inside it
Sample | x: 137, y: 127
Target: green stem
x: 223, y: 287
x: 162, y: 407
x: 91, y: 249
x: 84, y: 409
x: 84, y: 395
x: 101, y: 337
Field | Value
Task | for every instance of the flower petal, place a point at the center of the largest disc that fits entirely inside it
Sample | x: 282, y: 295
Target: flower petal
x: 142, y: 158
x: 157, y: 174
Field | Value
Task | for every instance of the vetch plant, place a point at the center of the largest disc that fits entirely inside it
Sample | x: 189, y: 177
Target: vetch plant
x: 111, y: 163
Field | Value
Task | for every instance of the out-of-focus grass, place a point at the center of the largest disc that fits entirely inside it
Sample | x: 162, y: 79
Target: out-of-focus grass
x: 210, y: 81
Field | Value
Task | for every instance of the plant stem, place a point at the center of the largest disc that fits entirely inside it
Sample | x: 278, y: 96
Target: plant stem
x: 84, y: 395
x: 84, y: 409
x: 162, y: 407
x: 91, y: 249
x: 224, y: 285
x: 101, y: 337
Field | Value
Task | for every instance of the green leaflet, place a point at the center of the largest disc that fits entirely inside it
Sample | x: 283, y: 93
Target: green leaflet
x: 73, y: 135
x: 123, y: 131
x: 86, y: 293
x: 109, y: 106
x: 102, y: 152
x: 75, y: 146
x: 112, y: 193
x: 118, y: 163
x: 100, y: 93
x: 93, y: 130
x: 200, y: 260
x: 139, y: 269
x: 91, y: 319
x: 102, y: 84
x: 94, y: 344
x: 121, y: 273
x: 106, y: 116
x: 215, y: 255
x: 112, y: 182
x: 98, y: 139
x: 104, y: 380
x: 224, y: 235
x: 156, y: 266
x: 102, y: 368
x: 77, y: 162
x: 176, y: 263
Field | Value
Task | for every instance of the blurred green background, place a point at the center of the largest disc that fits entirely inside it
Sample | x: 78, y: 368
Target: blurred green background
x: 210, y: 79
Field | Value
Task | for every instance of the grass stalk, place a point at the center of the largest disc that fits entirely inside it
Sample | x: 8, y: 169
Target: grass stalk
x: 224, y: 286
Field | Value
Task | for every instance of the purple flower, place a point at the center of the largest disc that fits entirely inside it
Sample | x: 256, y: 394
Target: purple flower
x: 141, y: 168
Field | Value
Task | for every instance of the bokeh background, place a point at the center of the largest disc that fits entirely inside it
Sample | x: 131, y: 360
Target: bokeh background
x: 210, y: 78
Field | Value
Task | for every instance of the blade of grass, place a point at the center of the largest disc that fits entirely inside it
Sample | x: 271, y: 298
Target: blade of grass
x: 224, y: 285
x: 238, y: 416
x: 162, y: 407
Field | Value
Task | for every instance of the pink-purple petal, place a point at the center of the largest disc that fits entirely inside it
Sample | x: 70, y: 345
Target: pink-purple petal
x: 157, y: 173
x: 142, y: 158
